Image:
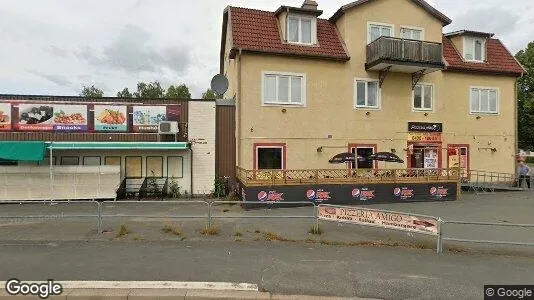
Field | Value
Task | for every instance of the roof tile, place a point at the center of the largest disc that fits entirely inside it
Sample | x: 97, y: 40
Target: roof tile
x: 257, y: 30
x: 499, y: 59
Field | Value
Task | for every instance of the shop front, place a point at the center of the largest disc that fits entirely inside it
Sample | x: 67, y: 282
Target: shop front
x: 424, y: 145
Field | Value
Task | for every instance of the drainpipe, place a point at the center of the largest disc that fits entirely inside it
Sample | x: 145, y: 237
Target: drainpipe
x: 191, y: 169
x: 516, y: 125
x: 238, y: 117
x: 51, y: 175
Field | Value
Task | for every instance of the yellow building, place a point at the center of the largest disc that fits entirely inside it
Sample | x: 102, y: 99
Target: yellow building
x: 379, y: 75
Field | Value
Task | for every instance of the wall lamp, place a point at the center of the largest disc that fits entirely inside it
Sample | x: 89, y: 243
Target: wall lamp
x: 368, y: 113
x: 320, y: 149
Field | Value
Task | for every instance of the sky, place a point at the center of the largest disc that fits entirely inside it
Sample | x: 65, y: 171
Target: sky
x: 55, y: 47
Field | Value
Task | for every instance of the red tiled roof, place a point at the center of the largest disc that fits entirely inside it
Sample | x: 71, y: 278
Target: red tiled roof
x: 499, y: 59
x: 258, y: 31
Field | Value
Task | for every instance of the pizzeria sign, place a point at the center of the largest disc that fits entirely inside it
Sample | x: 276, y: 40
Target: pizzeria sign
x: 379, y: 218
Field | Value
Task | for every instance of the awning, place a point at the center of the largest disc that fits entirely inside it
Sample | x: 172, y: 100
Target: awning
x: 24, y: 150
x: 118, y: 145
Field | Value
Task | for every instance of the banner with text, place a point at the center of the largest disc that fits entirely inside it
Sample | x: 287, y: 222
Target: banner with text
x: 378, y: 218
x: 147, y: 118
x: 111, y: 118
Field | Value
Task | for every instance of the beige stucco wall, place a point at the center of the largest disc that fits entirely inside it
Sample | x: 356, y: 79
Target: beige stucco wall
x: 458, y: 42
x: 329, y: 108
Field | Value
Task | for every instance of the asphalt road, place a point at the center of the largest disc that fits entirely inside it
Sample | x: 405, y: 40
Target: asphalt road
x: 279, y: 267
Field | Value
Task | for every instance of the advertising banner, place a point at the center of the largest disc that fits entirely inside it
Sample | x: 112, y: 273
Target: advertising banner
x: 147, y: 118
x: 425, y: 127
x: 111, y: 118
x: 378, y: 218
x: 36, y: 117
x: 70, y: 117
x: 5, y: 116
x: 424, y: 137
x: 351, y: 194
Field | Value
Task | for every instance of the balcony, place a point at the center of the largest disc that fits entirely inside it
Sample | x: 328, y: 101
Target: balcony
x: 404, y: 56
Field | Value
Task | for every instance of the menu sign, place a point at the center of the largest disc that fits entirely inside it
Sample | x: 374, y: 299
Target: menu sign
x: 424, y: 137
x: 5, y: 116
x: 425, y: 127
x: 147, y: 118
x: 110, y: 118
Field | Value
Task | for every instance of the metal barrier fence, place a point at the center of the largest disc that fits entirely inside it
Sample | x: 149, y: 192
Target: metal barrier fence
x: 100, y: 215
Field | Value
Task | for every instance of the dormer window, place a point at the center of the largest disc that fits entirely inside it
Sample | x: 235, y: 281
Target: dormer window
x: 474, y: 49
x: 301, y: 30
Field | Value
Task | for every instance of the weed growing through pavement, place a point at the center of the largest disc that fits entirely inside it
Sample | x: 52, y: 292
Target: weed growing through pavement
x: 171, y: 229
x: 211, y: 230
x: 123, y: 231
x: 316, y: 230
x: 238, y: 234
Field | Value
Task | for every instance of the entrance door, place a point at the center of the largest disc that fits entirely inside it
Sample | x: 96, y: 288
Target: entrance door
x: 459, y: 157
x: 424, y: 156
x: 363, y: 152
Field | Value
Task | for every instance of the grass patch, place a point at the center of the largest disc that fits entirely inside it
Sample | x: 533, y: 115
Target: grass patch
x: 238, y: 240
x: 138, y: 238
x: 210, y: 230
x: 257, y: 231
x: 257, y: 240
x: 270, y: 236
x: 123, y: 231
x: 316, y: 230
x: 226, y: 210
x: 171, y: 230
x: 238, y: 233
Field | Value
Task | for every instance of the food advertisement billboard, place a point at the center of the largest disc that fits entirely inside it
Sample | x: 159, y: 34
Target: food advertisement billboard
x: 147, y: 118
x: 5, y: 116
x: 111, y: 118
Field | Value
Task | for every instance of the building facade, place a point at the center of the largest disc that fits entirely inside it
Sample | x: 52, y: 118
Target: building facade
x: 83, y: 139
x: 379, y: 75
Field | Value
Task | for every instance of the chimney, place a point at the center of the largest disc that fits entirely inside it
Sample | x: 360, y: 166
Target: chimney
x: 309, y: 4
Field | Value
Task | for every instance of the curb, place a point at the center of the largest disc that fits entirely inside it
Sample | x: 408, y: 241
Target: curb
x: 168, y: 294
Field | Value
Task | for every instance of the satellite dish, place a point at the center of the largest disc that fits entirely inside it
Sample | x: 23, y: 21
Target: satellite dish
x: 219, y: 84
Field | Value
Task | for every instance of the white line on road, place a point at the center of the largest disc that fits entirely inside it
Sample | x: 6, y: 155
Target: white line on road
x: 154, y: 285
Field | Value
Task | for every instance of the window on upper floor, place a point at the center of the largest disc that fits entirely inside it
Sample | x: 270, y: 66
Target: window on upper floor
x: 284, y: 88
x: 484, y: 101
x: 301, y: 30
x: 366, y: 94
x: 376, y: 30
x: 423, y: 97
x: 474, y: 49
x: 411, y: 33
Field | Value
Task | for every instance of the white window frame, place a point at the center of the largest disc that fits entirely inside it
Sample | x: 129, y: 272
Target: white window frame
x: 412, y: 28
x: 471, y: 112
x: 369, y: 24
x: 474, y: 39
x: 313, y: 20
x: 378, y: 99
x: 275, y: 73
x: 432, y: 100
x: 257, y: 148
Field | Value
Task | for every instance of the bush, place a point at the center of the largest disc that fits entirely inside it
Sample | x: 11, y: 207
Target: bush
x: 220, y: 187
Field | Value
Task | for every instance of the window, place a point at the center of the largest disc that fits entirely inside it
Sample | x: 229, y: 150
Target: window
x: 484, y: 100
x: 366, y: 94
x: 363, y: 152
x: 423, y: 97
x: 91, y: 160
x: 154, y: 166
x: 301, y: 30
x: 6, y: 162
x: 474, y: 49
x: 269, y: 156
x: 284, y: 89
x: 412, y: 34
x: 70, y: 160
x: 175, y: 166
x: 112, y: 160
x: 378, y: 30
x: 134, y: 166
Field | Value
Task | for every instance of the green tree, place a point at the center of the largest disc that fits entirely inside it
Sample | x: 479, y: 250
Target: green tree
x: 526, y: 99
x: 125, y: 93
x: 91, y: 92
x: 152, y: 90
x: 178, y: 92
x: 210, y: 94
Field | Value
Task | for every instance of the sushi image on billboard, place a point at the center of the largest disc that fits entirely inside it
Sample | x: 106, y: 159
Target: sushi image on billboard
x: 36, y: 117
x: 147, y: 118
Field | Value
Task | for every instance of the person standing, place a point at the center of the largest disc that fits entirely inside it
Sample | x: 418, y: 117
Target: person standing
x: 524, y: 173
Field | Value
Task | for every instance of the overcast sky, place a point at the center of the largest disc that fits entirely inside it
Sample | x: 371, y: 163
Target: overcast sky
x: 54, y: 47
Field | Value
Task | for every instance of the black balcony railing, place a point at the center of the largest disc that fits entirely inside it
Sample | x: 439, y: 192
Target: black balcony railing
x: 395, y: 49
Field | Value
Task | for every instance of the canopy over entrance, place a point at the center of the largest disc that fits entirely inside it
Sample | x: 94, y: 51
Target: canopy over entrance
x: 24, y: 150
